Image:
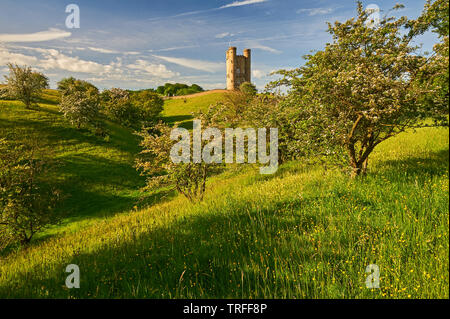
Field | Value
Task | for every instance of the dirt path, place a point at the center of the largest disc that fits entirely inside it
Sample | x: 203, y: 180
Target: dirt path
x: 195, y: 94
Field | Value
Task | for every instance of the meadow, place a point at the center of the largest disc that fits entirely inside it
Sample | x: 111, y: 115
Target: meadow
x: 304, y: 232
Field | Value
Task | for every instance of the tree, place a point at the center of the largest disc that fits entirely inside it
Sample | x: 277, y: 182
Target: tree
x: 155, y: 162
x: 65, y: 83
x: 27, y: 201
x: 4, y: 93
x: 25, y: 85
x: 175, y: 89
x: 196, y: 88
x: 160, y: 90
x: 435, y: 16
x: 79, y: 101
x: 359, y: 91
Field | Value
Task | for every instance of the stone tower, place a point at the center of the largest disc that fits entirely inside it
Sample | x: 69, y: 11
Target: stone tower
x: 238, y: 68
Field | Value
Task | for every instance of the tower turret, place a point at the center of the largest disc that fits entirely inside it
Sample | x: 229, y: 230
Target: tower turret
x: 238, y: 68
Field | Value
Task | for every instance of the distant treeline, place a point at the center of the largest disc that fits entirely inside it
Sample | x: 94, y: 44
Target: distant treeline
x: 174, y: 89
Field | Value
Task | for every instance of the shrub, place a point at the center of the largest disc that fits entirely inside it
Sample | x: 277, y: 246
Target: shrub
x: 26, y: 201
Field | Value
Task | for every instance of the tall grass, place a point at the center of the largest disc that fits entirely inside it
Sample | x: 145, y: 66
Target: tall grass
x: 301, y: 233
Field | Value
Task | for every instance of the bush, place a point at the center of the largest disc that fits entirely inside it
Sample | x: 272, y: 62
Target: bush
x: 26, y: 201
x: 4, y: 93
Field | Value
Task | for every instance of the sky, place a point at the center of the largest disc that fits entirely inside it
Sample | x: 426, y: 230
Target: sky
x: 136, y: 44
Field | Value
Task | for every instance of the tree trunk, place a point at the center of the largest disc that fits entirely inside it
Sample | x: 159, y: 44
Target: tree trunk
x: 356, y: 171
x: 364, y: 166
x: 354, y: 164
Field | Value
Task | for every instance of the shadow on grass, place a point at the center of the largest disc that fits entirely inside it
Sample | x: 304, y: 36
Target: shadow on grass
x: 56, y: 129
x: 176, y: 118
x: 214, y: 255
x: 184, y: 121
x: 435, y: 163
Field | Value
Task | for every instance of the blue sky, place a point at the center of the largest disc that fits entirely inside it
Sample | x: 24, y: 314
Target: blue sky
x: 140, y: 44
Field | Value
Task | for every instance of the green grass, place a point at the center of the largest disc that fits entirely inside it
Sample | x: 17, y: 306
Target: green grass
x: 300, y: 233
x: 96, y: 174
x: 177, y: 110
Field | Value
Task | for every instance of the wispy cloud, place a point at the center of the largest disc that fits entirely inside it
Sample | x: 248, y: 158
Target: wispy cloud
x: 242, y: 3
x: 316, y: 11
x: 175, y: 48
x: 101, y: 50
x: 257, y: 45
x: 206, y: 66
x: 223, y: 35
x: 50, y: 34
x: 230, y: 5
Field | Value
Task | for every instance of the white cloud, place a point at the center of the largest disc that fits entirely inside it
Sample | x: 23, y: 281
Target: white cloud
x: 258, y: 74
x: 174, y: 48
x: 156, y: 70
x: 21, y: 59
x: 256, y: 45
x: 101, y: 50
x: 57, y: 60
x: 316, y: 11
x: 50, y: 34
x: 224, y: 35
x: 214, y: 86
x: 230, y: 5
x: 242, y: 3
x: 194, y: 64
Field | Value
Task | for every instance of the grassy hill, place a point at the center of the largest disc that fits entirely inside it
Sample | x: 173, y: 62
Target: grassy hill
x: 97, y: 173
x: 301, y: 233
x: 181, y: 109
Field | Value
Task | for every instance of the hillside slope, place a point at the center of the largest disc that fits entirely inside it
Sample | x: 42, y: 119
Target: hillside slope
x: 180, y: 110
x: 96, y: 174
x: 301, y: 233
